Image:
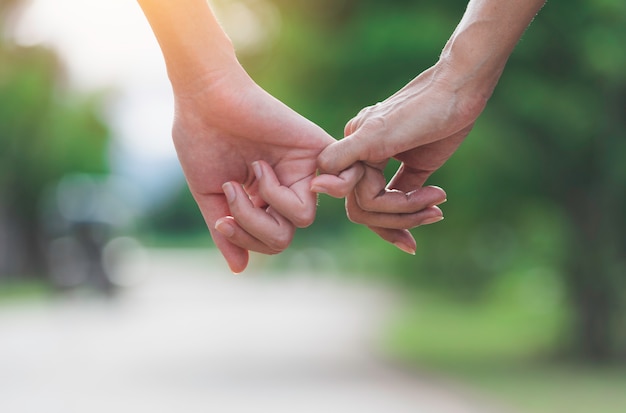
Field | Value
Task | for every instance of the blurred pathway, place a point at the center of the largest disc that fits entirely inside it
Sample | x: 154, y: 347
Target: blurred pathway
x: 190, y: 337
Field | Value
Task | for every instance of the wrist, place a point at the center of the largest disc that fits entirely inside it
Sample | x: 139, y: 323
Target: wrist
x: 470, y: 86
x: 194, y: 69
x: 194, y: 46
x: 471, y: 64
x: 475, y: 55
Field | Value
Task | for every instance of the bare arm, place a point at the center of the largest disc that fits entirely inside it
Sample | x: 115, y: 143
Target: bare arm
x: 193, y: 43
x: 224, y: 123
x: 423, y: 124
x: 476, y: 53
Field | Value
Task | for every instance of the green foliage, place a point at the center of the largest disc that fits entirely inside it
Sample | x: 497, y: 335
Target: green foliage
x: 540, y: 181
x: 176, y: 216
x: 547, y: 388
x: 20, y: 291
x: 538, y: 184
x: 519, y: 318
x: 46, y: 132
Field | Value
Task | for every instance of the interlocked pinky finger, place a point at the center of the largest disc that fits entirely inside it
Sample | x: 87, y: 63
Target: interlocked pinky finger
x: 357, y: 215
x: 262, y: 224
x: 232, y: 231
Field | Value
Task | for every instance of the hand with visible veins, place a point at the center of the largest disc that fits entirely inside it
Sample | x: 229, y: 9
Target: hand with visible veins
x: 423, y: 124
x: 250, y: 160
x: 421, y: 136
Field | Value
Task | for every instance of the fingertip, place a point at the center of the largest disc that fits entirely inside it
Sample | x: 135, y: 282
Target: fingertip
x: 404, y: 247
x: 258, y: 169
x: 225, y: 227
x: 338, y: 186
x: 444, y: 195
x: 330, y: 185
x: 401, y: 238
x: 237, y: 266
x: 235, y: 256
x: 266, y: 176
x: 433, y: 220
x: 318, y: 188
x: 229, y: 192
x: 406, y: 242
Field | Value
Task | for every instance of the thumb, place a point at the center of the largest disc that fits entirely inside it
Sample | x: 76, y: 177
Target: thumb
x: 338, y: 156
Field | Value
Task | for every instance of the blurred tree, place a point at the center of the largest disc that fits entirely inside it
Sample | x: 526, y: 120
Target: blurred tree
x: 540, y: 183
x: 571, y: 75
x: 45, y: 133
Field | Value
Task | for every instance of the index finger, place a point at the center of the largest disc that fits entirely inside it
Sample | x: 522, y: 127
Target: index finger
x: 372, y: 195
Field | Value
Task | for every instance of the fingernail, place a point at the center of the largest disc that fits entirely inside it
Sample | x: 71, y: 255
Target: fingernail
x: 404, y: 247
x: 319, y: 189
x: 258, y: 171
x: 432, y: 220
x: 229, y: 191
x: 225, y: 228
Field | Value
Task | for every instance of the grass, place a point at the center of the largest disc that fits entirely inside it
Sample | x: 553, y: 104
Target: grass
x: 503, y: 347
x: 12, y: 291
x: 551, y: 388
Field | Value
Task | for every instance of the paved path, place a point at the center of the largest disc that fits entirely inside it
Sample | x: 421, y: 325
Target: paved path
x: 190, y: 337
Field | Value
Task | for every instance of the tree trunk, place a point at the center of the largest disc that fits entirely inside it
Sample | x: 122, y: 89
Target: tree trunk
x: 593, y: 284
x: 595, y: 306
x: 21, y: 253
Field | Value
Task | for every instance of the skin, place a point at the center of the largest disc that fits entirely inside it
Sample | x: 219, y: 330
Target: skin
x: 424, y: 123
x: 250, y: 161
x: 219, y: 151
x: 241, y: 149
x: 224, y: 122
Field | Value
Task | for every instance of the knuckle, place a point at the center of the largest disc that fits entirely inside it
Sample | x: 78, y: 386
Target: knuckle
x: 355, y: 215
x: 280, y: 240
x: 304, y: 218
x: 375, y: 123
x: 366, y: 203
x: 364, y: 198
x: 326, y: 162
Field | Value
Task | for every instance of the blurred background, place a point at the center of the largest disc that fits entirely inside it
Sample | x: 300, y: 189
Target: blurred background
x: 110, y: 285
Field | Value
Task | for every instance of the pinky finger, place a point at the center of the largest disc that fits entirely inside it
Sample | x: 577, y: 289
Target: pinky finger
x: 338, y: 186
x: 234, y: 233
x: 401, y: 238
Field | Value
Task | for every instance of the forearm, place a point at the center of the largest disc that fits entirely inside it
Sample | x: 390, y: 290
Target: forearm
x: 479, y: 48
x: 193, y: 43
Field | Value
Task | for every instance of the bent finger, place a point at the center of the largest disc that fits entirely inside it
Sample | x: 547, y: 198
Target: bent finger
x: 372, y: 195
x: 401, y: 238
x: 296, y: 203
x: 264, y: 224
x: 425, y: 216
x: 338, y: 156
x: 338, y: 186
x: 230, y: 229
x: 213, y: 207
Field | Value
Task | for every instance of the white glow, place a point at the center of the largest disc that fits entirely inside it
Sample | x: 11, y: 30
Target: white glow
x: 110, y: 45
x: 103, y: 42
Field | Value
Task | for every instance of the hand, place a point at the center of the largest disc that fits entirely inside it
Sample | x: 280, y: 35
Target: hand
x: 223, y: 125
x: 422, y: 125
